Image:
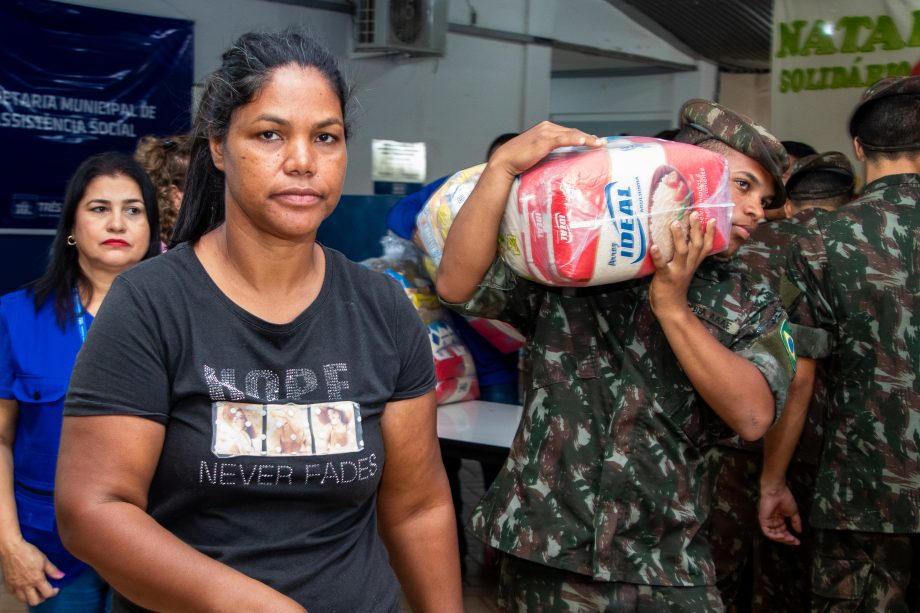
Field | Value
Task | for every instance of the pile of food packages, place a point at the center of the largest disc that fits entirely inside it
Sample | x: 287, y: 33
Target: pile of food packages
x: 454, y: 367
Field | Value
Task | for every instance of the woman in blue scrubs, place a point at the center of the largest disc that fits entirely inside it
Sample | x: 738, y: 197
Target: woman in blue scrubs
x: 109, y: 222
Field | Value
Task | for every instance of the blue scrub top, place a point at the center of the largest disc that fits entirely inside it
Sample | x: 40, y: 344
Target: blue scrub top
x: 36, y: 360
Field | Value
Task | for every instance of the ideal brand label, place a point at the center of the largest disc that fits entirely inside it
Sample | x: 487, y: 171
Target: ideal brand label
x: 536, y: 223
x: 561, y: 225
x: 626, y: 200
x: 632, y: 245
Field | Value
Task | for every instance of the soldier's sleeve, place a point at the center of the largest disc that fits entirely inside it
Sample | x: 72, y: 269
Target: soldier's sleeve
x: 804, y: 293
x: 765, y: 338
x: 502, y: 295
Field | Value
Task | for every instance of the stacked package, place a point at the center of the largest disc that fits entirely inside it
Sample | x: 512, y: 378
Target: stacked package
x: 501, y: 335
x: 453, y: 362
x: 588, y: 216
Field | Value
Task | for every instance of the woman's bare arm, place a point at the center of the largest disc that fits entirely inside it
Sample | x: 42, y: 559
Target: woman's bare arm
x: 415, y: 512
x: 104, y: 471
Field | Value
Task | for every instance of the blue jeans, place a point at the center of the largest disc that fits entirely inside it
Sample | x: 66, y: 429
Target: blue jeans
x: 88, y: 593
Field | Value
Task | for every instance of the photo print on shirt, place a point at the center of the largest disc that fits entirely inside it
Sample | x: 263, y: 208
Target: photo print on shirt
x: 281, y: 430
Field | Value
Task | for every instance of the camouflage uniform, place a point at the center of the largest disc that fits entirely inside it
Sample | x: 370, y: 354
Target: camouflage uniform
x: 605, y: 477
x: 527, y: 587
x: 735, y: 466
x: 852, y: 285
x: 780, y: 573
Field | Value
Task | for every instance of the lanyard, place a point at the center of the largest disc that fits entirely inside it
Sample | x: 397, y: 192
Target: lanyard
x: 78, y: 311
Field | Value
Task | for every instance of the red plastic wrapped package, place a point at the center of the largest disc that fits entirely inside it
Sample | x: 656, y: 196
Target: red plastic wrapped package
x: 588, y: 216
x: 457, y: 390
x: 453, y: 362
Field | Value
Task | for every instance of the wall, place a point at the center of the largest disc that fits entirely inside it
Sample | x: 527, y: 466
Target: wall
x: 458, y: 103
x: 596, y: 24
x: 495, y: 78
x: 640, y: 105
x: 748, y: 94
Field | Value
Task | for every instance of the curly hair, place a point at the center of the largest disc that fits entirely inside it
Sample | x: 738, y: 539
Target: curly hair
x: 166, y: 161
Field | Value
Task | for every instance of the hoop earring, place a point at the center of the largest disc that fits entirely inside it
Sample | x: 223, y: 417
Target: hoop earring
x: 70, y: 240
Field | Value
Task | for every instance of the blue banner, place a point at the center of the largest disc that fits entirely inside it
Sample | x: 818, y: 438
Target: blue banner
x: 75, y: 81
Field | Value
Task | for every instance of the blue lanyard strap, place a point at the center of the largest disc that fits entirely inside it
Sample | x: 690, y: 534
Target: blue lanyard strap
x: 78, y: 311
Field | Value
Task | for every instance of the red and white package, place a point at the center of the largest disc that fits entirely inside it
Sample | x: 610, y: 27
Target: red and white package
x: 454, y: 366
x: 501, y: 335
x: 456, y: 390
x: 453, y: 362
x: 588, y: 216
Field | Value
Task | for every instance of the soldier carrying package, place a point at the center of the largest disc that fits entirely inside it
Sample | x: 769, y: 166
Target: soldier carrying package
x: 604, y: 492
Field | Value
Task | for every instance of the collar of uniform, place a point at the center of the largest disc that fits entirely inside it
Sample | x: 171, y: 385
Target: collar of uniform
x: 909, y: 178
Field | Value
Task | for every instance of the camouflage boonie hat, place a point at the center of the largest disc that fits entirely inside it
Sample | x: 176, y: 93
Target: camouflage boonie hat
x: 885, y: 88
x: 702, y: 120
x: 830, y: 161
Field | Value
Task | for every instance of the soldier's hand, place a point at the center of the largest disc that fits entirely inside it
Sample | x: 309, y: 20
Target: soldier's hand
x: 526, y: 149
x: 668, y: 290
x: 776, y: 512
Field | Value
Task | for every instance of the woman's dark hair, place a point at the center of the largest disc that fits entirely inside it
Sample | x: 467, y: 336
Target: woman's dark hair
x: 63, y: 270
x: 246, y: 68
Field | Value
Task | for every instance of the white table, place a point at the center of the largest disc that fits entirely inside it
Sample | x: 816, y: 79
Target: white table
x: 477, y: 429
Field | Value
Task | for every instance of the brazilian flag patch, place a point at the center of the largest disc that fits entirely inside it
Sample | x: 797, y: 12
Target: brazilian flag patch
x: 788, y: 342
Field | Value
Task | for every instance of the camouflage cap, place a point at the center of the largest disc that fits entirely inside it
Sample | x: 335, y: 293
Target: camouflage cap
x: 885, y: 88
x: 828, y: 162
x: 702, y: 120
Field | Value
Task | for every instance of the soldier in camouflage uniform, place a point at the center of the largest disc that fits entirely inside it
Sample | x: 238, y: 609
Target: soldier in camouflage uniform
x: 601, y: 501
x: 754, y: 573
x: 794, y: 150
x: 852, y: 285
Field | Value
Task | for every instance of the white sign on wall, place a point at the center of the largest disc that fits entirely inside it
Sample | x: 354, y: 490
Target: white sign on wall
x: 399, y: 162
x: 826, y: 53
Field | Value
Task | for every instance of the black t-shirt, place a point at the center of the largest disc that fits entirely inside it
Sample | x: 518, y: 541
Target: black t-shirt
x: 273, y: 450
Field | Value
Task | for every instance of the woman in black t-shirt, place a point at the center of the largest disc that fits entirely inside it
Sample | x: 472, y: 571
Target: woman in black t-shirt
x: 251, y: 324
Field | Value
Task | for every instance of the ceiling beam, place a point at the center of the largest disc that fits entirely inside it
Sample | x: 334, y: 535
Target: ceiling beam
x: 595, y: 73
x: 654, y: 27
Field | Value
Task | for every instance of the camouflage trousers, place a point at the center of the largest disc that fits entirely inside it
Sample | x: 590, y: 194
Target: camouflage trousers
x: 754, y: 573
x: 865, y: 572
x: 528, y: 587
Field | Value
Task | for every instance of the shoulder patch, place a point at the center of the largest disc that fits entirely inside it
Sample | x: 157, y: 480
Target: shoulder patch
x: 788, y: 342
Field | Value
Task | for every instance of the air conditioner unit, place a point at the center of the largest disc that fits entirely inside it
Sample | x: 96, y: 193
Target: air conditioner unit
x: 416, y: 27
